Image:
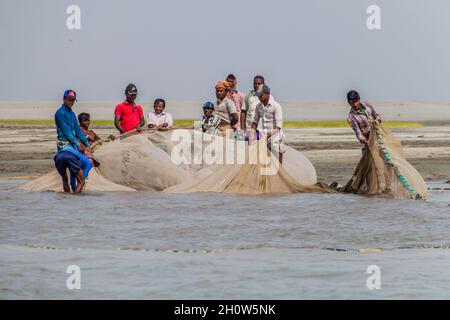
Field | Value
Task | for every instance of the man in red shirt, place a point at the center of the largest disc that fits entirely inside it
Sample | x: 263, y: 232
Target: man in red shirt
x: 128, y: 115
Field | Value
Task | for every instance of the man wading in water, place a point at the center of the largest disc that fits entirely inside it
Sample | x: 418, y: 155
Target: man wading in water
x: 70, y: 149
x: 360, y: 117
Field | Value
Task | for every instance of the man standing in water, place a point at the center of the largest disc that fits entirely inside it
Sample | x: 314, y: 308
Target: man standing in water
x: 128, y: 115
x: 271, y: 116
x: 360, y: 117
x: 70, y: 149
x: 225, y: 109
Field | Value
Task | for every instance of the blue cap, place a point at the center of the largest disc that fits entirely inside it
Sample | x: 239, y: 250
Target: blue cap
x: 70, y: 94
x: 208, y: 105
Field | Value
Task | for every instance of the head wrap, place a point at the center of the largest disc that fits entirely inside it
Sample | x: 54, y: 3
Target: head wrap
x: 222, y: 85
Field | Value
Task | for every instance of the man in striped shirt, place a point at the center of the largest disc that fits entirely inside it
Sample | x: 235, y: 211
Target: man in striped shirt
x: 236, y: 96
x: 360, y: 117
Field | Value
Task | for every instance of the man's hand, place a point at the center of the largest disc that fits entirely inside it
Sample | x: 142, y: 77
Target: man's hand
x: 138, y: 128
x: 271, y: 132
x: 82, y: 148
x: 163, y: 127
x: 252, y: 133
x: 251, y: 136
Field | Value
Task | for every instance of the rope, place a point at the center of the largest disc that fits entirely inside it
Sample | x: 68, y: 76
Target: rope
x: 388, y: 159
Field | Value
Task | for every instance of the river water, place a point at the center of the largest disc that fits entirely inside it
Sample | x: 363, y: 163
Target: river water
x: 150, y: 245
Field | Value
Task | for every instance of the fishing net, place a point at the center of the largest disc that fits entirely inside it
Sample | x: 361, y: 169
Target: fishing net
x: 182, y: 161
x: 383, y: 169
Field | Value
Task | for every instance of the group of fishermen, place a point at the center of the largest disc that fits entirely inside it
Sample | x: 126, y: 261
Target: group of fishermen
x: 234, y: 115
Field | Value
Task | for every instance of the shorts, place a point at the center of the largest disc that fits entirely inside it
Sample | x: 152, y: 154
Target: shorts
x: 226, y: 131
x: 67, y: 160
x: 258, y: 135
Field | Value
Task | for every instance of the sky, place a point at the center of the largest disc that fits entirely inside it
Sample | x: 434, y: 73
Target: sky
x: 313, y: 50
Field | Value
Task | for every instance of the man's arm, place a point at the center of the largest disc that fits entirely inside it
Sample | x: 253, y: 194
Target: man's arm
x: 244, y: 120
x: 234, y: 117
x: 251, y: 136
x: 141, y: 123
x: 117, y: 117
x: 117, y: 124
x: 96, y: 137
x: 256, y: 118
x: 141, y: 119
x: 376, y: 115
x: 232, y: 111
x: 254, y: 126
x: 278, y: 116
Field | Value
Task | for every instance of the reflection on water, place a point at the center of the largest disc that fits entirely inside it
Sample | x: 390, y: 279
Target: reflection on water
x: 156, y: 245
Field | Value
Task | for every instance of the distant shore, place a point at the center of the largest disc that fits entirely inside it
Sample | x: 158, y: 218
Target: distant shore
x: 426, y: 112
x: 109, y: 124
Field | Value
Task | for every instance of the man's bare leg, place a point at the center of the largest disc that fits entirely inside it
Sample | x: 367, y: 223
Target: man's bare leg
x: 66, y: 185
x: 80, y: 182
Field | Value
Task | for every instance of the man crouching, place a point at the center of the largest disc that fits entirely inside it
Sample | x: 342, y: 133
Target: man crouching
x: 78, y: 166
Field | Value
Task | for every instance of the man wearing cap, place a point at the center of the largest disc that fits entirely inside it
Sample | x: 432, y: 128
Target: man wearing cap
x: 128, y: 115
x: 67, y: 128
x: 271, y: 116
x: 209, y: 122
x: 225, y: 109
x: 71, y: 144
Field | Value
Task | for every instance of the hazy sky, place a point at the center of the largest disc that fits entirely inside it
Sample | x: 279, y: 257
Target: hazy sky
x: 177, y: 49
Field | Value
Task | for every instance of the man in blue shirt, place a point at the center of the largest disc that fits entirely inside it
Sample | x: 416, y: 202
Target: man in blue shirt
x: 70, y: 150
x: 67, y: 127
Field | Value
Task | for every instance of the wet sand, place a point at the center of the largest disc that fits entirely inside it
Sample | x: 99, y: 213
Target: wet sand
x: 27, y: 151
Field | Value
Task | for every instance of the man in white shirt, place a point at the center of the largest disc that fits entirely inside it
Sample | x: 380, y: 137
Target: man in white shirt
x: 250, y: 103
x: 270, y: 113
x: 159, y: 119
